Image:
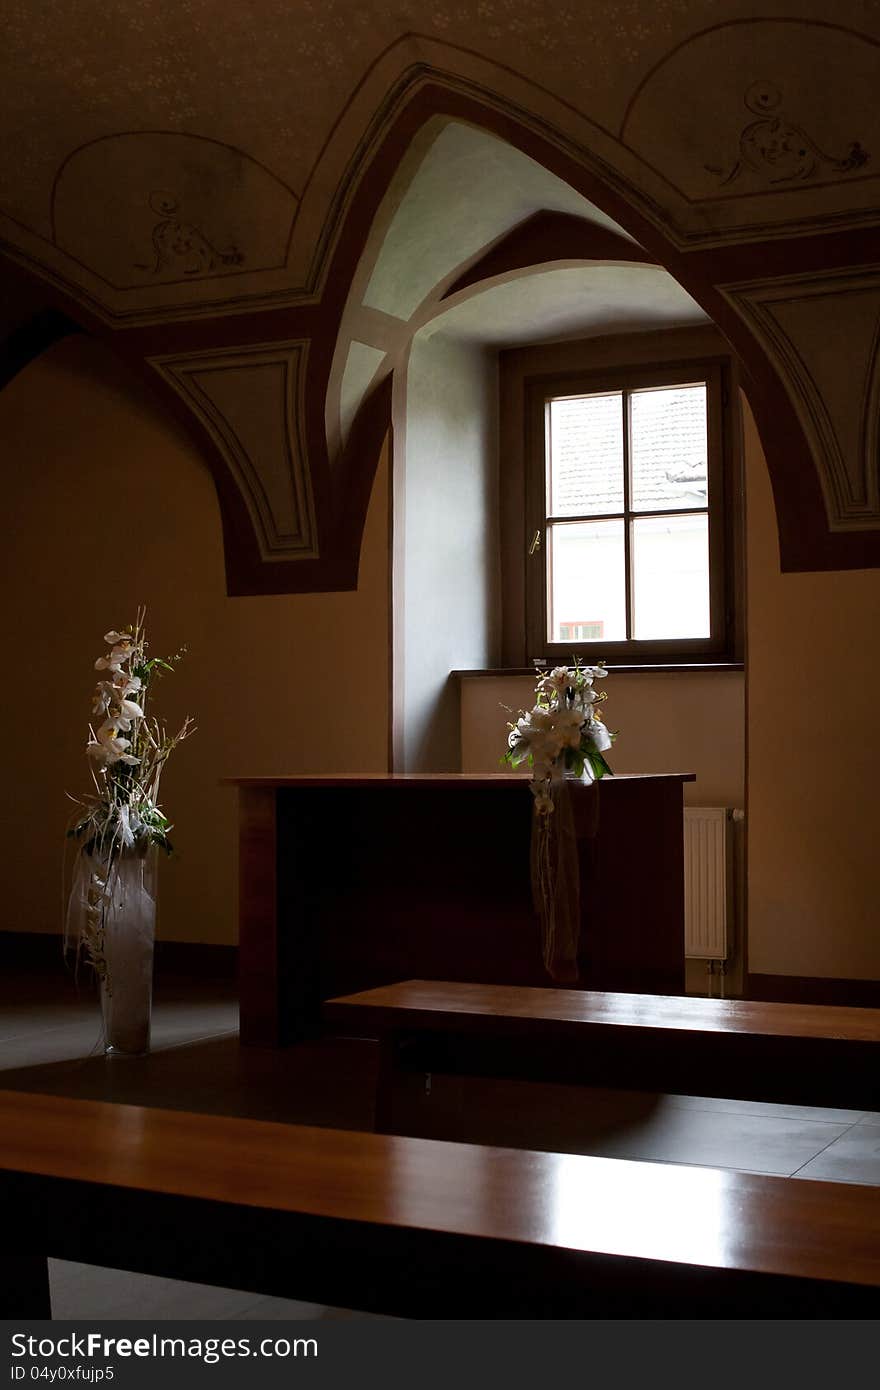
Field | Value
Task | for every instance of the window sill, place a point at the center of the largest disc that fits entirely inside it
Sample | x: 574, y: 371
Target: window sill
x: 679, y: 668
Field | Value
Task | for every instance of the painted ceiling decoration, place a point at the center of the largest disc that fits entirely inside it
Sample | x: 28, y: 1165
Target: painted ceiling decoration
x: 164, y: 213
x: 259, y: 208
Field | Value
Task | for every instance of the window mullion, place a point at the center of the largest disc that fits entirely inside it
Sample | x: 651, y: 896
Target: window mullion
x: 627, y: 523
x: 592, y: 516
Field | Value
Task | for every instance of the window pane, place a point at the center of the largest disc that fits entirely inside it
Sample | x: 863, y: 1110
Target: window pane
x: 670, y: 558
x: 669, y: 448
x: 587, y: 588
x: 586, y: 456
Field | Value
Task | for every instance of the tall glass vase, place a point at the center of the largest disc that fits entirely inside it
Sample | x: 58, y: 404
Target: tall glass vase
x: 129, y: 936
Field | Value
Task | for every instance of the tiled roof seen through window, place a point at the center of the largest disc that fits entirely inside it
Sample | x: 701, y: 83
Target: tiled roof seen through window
x: 669, y: 452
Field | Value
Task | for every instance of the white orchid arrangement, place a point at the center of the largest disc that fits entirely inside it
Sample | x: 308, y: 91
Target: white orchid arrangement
x: 128, y: 752
x: 563, y: 731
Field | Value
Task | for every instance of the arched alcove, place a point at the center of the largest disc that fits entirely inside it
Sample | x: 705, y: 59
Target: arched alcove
x: 783, y: 454
x: 424, y: 107
x: 450, y: 277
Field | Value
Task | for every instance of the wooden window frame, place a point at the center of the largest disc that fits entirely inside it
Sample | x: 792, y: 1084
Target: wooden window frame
x: 724, y: 645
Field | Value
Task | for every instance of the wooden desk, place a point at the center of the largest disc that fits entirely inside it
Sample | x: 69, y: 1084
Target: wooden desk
x: 418, y: 1228
x: 351, y: 882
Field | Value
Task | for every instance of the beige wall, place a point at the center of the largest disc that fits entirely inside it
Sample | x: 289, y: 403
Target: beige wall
x: 814, y: 757
x: 108, y: 507
x: 666, y: 723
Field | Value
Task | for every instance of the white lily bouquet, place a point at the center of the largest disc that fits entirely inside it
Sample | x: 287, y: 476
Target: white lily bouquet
x: 119, y: 828
x: 563, y: 735
x: 564, y: 731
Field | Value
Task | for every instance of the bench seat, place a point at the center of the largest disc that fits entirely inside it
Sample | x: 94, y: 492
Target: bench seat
x: 791, y: 1053
x: 418, y: 1228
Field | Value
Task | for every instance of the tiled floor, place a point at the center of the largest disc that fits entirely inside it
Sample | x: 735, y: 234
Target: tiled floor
x: 83, y: 1291
x: 50, y: 1041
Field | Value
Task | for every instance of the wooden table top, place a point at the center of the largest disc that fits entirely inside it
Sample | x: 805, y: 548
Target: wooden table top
x: 684, y: 1215
x: 439, y: 1005
x: 448, y: 780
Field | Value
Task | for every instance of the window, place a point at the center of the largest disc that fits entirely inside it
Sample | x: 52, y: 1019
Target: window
x: 629, y: 554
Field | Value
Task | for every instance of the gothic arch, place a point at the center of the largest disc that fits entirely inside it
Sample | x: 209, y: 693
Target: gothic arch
x: 806, y: 541
x: 293, y: 512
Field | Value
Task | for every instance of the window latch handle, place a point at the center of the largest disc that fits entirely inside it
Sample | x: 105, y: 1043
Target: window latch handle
x: 536, y: 543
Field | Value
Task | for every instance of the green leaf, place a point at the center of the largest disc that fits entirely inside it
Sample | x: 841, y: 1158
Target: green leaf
x: 598, y: 764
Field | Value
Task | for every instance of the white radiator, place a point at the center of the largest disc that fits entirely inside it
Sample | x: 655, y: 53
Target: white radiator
x: 708, y: 882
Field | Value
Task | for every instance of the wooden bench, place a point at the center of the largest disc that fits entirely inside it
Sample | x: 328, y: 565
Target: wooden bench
x: 418, y: 1228
x: 792, y: 1053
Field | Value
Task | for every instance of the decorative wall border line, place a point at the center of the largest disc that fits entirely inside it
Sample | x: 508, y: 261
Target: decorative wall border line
x: 847, y: 510
x: 178, y: 370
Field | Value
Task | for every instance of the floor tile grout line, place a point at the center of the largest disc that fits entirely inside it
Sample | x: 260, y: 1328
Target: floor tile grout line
x: 825, y: 1147
x: 841, y: 1125
x: 693, y: 1163
x: 97, y: 1052
x: 760, y: 1114
x: 688, y: 1163
x: 40, y: 1032
x: 191, y: 1042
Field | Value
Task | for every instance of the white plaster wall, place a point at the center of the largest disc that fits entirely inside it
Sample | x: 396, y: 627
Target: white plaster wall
x: 449, y: 600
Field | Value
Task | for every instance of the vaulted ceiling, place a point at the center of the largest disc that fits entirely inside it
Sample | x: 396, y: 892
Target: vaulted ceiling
x: 258, y: 205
